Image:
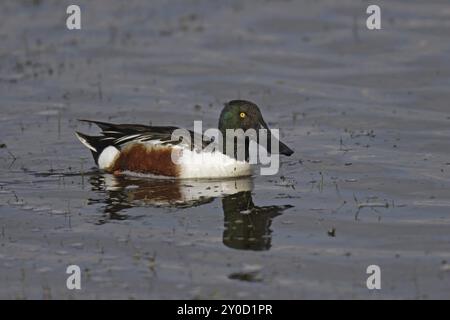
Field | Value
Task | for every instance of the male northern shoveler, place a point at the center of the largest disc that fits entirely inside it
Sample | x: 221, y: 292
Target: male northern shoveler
x: 148, y: 149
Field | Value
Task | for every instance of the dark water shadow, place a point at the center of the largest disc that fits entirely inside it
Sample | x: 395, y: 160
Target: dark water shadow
x: 247, y: 226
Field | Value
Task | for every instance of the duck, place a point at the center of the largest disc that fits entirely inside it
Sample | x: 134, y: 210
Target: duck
x: 141, y: 150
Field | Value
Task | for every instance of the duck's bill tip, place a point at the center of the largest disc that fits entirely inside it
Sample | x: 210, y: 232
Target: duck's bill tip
x: 285, y: 150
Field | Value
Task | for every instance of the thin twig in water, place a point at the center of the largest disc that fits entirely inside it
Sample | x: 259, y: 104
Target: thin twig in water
x: 13, y: 157
x: 373, y: 205
x: 340, y: 207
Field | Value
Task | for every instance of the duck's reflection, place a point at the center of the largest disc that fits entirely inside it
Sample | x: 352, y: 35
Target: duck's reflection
x: 247, y: 227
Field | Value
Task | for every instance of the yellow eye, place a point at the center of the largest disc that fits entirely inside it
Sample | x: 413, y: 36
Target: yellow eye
x: 242, y: 115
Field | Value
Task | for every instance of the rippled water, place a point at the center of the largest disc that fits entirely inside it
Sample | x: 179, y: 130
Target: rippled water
x: 366, y: 112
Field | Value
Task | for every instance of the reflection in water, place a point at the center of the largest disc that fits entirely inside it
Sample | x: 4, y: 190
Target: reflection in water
x: 247, y: 227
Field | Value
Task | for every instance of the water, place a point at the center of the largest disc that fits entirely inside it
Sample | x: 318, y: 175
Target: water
x: 365, y: 111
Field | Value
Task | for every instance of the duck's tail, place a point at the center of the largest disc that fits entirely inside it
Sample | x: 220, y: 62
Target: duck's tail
x: 95, y: 144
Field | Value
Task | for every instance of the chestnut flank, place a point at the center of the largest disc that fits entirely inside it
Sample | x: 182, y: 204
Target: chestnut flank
x: 146, y: 159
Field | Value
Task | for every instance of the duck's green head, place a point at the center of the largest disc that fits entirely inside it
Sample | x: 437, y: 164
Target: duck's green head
x: 242, y: 114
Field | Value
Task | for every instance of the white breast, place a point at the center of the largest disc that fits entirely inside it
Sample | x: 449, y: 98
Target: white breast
x: 201, y: 165
x: 107, y: 157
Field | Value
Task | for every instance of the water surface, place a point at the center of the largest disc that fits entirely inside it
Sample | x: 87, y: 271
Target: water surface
x: 367, y: 113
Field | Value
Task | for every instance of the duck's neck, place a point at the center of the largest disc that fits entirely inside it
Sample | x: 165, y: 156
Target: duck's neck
x: 235, y: 152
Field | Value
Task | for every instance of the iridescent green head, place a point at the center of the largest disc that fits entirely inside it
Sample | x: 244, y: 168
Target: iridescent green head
x: 242, y: 114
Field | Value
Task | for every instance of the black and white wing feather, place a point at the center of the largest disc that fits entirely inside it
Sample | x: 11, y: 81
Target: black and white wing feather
x: 118, y: 135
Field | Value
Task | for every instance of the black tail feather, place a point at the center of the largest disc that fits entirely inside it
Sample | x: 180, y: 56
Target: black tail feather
x: 95, y: 144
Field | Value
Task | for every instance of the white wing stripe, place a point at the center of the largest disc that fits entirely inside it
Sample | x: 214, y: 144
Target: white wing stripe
x: 118, y: 141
